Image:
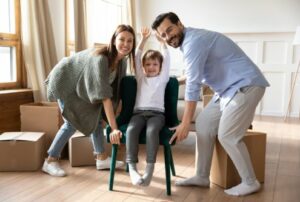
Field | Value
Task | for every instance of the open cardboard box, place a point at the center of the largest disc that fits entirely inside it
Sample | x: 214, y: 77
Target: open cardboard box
x: 21, y: 151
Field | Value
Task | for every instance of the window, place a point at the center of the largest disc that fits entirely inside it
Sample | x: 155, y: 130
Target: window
x: 10, y: 47
x: 103, y: 16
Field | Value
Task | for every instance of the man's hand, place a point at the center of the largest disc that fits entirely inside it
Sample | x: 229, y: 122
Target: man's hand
x: 182, y: 131
x: 115, y: 136
x: 183, y: 128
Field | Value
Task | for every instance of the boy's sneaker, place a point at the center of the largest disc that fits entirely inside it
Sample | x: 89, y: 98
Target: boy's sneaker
x: 105, y: 164
x: 53, y: 169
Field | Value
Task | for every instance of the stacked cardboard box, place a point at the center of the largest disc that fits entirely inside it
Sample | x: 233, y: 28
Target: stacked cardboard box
x: 42, y: 117
x: 206, y: 99
x: 207, y: 94
x: 224, y: 173
x: 21, y: 151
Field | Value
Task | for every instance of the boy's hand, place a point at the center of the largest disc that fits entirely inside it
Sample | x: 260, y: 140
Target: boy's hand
x: 145, y: 32
x: 159, y: 38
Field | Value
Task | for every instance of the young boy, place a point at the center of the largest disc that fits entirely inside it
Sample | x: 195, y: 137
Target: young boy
x: 152, y: 75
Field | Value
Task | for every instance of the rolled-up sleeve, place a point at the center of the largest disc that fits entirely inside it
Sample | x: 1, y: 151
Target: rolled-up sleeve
x: 195, y: 56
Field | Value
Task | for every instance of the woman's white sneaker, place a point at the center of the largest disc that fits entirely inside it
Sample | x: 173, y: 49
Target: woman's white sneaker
x: 53, y: 168
x: 105, y: 164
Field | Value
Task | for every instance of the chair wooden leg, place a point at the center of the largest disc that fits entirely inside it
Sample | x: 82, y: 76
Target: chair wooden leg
x: 127, y: 168
x: 167, y: 168
x: 114, y: 151
x: 172, y: 163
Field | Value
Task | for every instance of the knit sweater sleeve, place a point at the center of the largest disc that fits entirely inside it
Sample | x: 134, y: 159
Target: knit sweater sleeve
x: 93, y: 85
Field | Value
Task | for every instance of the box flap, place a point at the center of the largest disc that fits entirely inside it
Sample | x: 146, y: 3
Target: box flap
x: 25, y: 136
x: 78, y: 134
x: 40, y: 104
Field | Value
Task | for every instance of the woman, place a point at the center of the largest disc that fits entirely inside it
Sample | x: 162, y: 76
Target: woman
x: 83, y: 85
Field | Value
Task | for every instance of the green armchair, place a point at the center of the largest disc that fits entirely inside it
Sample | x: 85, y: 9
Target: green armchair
x: 128, y: 95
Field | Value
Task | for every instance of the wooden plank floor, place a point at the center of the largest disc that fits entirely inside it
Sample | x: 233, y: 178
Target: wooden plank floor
x: 282, y: 180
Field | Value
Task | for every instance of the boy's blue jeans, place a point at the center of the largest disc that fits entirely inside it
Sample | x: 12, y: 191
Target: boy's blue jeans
x: 67, y: 130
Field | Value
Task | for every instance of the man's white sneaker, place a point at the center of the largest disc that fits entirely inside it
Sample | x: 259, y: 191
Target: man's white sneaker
x: 105, y: 164
x: 53, y: 169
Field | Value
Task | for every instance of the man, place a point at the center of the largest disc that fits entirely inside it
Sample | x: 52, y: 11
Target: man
x: 213, y: 59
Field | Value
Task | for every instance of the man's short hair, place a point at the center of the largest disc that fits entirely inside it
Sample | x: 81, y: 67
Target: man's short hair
x: 170, y: 15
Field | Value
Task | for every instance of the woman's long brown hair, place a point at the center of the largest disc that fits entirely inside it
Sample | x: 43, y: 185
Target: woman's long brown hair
x: 110, y: 50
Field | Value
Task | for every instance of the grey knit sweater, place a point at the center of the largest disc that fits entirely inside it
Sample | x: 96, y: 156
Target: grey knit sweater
x: 81, y: 82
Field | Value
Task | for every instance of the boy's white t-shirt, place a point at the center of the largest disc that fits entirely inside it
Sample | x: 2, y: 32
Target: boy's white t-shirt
x: 151, y: 90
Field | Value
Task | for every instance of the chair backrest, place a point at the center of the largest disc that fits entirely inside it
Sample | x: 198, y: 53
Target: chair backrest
x: 128, y: 94
x: 171, y: 99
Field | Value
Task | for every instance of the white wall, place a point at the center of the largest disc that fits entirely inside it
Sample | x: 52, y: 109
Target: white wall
x: 277, y: 58
x: 264, y: 29
x: 225, y: 16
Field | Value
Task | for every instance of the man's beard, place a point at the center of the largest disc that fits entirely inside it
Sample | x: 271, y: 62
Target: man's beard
x: 179, y: 36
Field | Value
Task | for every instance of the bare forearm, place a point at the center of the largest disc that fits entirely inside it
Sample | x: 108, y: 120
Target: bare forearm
x: 109, y: 112
x: 189, y: 111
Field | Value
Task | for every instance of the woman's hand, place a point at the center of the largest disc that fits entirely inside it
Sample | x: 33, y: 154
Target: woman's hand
x: 115, y: 136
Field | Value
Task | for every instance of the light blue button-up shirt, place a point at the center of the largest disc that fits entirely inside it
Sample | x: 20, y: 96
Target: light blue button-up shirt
x: 213, y: 59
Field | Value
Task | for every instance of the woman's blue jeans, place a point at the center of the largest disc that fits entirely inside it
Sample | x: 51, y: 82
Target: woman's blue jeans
x: 67, y: 130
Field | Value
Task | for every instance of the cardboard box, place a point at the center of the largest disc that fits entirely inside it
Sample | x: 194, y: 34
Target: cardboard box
x: 81, y: 152
x: 224, y: 173
x: 206, y: 99
x: 206, y: 90
x: 207, y: 94
x: 42, y: 117
x: 21, y: 151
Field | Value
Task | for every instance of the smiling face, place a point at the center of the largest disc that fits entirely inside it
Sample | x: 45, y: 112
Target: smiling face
x: 171, y: 33
x: 151, y: 67
x: 124, y: 43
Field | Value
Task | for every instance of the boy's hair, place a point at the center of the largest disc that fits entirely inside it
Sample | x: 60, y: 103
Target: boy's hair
x: 158, y: 20
x: 152, y: 54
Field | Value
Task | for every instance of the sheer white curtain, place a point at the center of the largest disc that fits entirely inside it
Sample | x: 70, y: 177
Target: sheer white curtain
x: 80, y: 22
x: 130, y: 6
x: 38, y: 46
x: 93, y: 21
x: 103, y: 17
